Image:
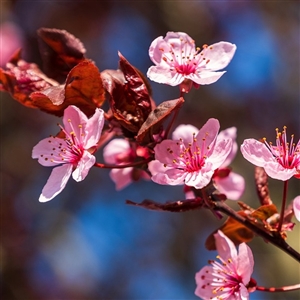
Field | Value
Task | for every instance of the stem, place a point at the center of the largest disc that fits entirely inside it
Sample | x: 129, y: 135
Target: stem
x: 285, y: 187
x: 280, y: 289
x: 133, y: 164
x: 277, y: 241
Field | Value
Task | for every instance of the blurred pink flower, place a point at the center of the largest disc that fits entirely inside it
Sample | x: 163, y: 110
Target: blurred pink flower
x: 227, y: 182
x: 178, y: 62
x: 296, y: 207
x: 227, y: 280
x: 73, y: 151
x: 280, y: 161
x: 118, y: 152
x: 10, y: 41
x: 191, y: 158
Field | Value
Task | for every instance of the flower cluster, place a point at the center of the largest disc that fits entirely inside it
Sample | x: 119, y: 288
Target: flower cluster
x: 133, y: 136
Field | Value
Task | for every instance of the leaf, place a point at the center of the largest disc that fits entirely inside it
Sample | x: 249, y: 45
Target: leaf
x: 60, y: 51
x: 177, y: 206
x: 130, y: 100
x: 155, y: 119
x: 234, y: 230
x: 83, y: 89
x: 21, y: 79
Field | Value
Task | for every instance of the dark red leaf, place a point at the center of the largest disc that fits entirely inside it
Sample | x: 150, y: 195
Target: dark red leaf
x: 155, y: 119
x: 20, y: 79
x: 60, y: 51
x: 130, y: 100
x: 83, y: 89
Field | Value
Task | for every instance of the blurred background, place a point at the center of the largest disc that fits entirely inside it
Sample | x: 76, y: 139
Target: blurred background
x: 87, y: 243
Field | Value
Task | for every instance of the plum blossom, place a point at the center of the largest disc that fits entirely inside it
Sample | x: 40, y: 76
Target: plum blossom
x: 118, y: 152
x: 227, y: 182
x: 73, y: 152
x: 191, y: 158
x: 280, y: 161
x: 178, y: 62
x: 228, y: 279
x: 296, y: 207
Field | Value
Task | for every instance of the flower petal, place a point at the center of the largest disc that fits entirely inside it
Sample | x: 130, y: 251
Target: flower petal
x: 113, y: 149
x: 201, y: 178
x: 47, y: 151
x: 162, y: 74
x: 277, y: 171
x: 208, y: 132
x: 220, y: 152
x: 245, y: 263
x: 169, y: 177
x: 185, y: 132
x: 225, y: 246
x: 86, y: 162
x: 232, y: 186
x: 256, y: 152
x: 204, y: 279
x: 225, y: 134
x: 205, y: 77
x: 296, y: 207
x: 121, y: 177
x: 73, y: 117
x: 166, y: 151
x: 219, y: 55
x: 56, y: 182
x: 93, y: 129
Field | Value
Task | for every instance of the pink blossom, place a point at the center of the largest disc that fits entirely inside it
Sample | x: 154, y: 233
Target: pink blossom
x: 280, y: 161
x: 227, y: 280
x: 227, y: 182
x: 11, y: 41
x: 191, y: 158
x: 118, y: 152
x: 73, y: 152
x: 296, y: 207
x: 178, y: 62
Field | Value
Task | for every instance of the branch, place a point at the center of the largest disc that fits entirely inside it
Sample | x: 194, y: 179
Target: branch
x: 275, y: 240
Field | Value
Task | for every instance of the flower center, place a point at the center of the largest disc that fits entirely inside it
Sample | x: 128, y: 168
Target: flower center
x: 185, y: 59
x: 287, y: 154
x: 227, y: 280
x: 191, y: 156
x: 68, y: 149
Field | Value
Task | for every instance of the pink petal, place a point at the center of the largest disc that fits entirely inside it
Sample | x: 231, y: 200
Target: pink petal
x: 121, y: 177
x: 232, y: 186
x: 219, y: 55
x: 115, y: 148
x: 162, y: 151
x: 155, y: 166
x: 73, y: 117
x: 204, y: 278
x: 225, y: 134
x: 185, y: 132
x: 161, y: 74
x: 201, y: 178
x: 86, y: 162
x: 56, y: 182
x: 225, y: 246
x: 45, y: 154
x: 256, y: 152
x: 296, y: 207
x: 244, y: 294
x: 169, y: 177
x: 93, y: 129
x: 208, y: 132
x: 277, y: 171
x: 205, y: 77
x: 245, y: 263
x: 219, y: 152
